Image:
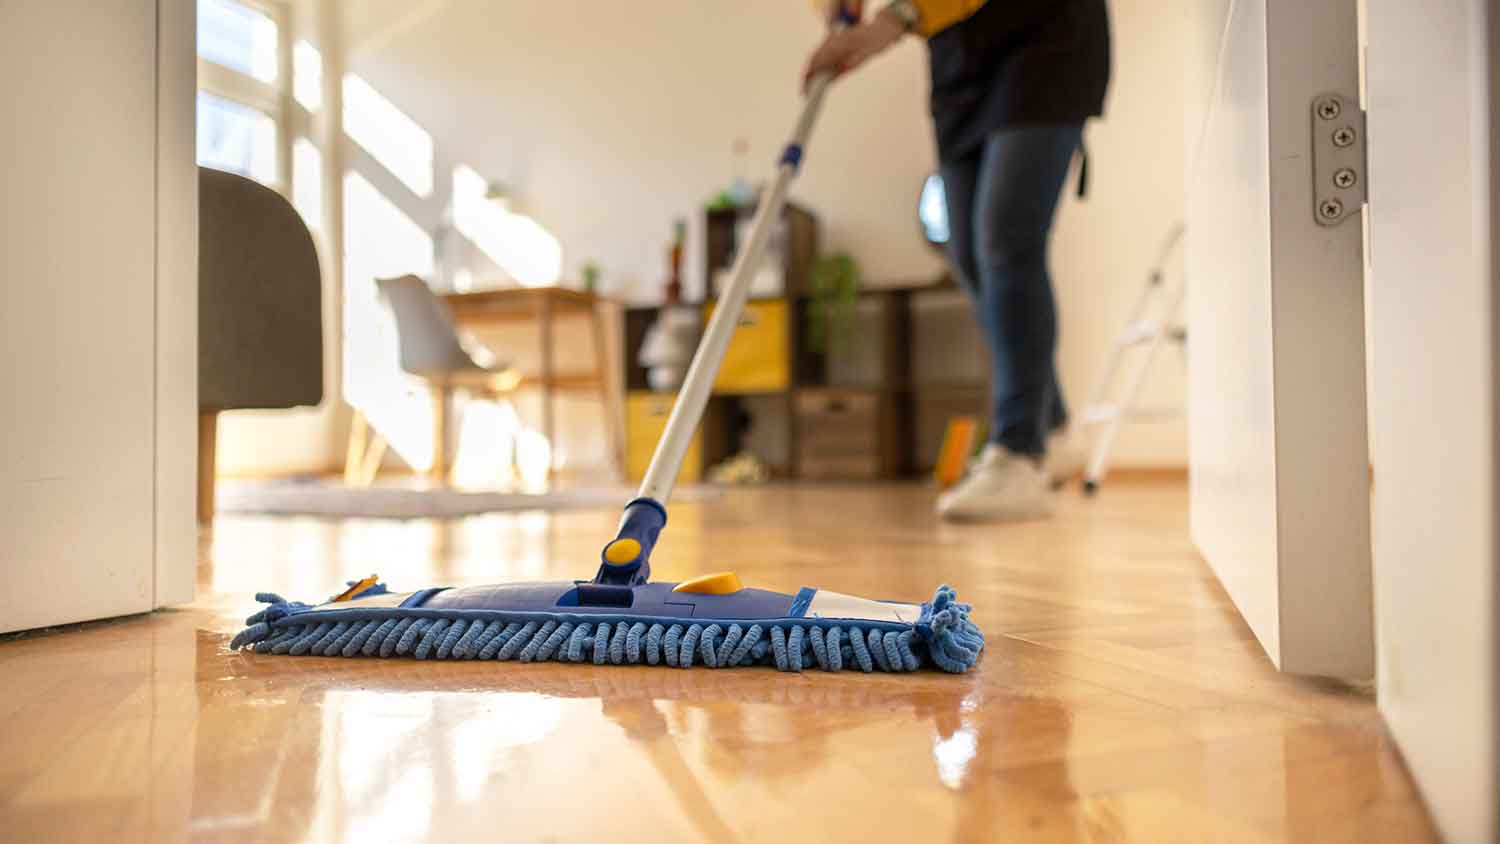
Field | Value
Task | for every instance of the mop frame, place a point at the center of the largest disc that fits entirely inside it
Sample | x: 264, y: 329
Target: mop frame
x: 943, y: 637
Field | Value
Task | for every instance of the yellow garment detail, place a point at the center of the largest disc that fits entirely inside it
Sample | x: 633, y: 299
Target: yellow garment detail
x: 938, y: 15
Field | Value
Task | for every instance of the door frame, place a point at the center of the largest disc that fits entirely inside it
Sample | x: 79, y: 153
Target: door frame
x: 176, y: 457
x: 1277, y: 406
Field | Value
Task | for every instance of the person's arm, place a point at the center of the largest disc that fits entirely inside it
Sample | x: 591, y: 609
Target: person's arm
x: 851, y: 47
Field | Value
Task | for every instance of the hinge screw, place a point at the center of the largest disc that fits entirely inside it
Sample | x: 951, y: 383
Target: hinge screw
x: 1328, y: 108
x: 1344, y: 177
x: 1343, y: 136
x: 1331, y: 209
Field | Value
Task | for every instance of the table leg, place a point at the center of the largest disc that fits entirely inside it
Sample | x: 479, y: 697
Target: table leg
x: 548, y: 422
x: 605, y: 370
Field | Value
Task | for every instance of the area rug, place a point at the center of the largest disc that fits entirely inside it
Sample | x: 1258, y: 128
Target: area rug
x: 329, y: 498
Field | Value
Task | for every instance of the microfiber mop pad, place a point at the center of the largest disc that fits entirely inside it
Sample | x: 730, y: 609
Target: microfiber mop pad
x: 709, y: 621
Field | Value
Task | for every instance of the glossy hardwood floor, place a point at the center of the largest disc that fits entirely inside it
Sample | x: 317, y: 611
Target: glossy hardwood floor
x: 1120, y: 699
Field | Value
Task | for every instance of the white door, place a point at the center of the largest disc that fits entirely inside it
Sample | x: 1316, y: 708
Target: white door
x: 98, y: 322
x: 1434, y: 102
x: 1278, y: 453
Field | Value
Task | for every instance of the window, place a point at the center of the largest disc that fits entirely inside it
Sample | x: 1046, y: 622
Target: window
x: 241, y: 85
x: 236, y: 137
x: 238, y: 37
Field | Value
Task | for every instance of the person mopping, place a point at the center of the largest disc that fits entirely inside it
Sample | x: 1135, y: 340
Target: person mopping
x: 1012, y: 83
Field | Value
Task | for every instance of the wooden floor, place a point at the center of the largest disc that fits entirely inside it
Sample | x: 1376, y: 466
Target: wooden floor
x: 1120, y: 699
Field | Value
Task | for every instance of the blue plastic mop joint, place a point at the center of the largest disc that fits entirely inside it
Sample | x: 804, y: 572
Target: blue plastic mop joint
x: 626, y: 560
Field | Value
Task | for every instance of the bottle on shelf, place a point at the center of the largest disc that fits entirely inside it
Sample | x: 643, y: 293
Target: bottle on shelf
x: 668, y: 346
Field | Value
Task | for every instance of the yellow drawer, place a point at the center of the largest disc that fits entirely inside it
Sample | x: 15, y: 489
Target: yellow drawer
x: 757, y: 360
x: 645, y: 417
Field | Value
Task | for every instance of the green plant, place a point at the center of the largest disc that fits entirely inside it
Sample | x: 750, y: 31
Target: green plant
x: 831, y: 311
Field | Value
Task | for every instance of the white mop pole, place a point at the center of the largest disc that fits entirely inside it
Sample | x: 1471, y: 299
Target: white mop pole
x: 687, y: 412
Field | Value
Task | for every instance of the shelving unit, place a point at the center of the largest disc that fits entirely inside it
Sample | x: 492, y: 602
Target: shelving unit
x: 871, y: 409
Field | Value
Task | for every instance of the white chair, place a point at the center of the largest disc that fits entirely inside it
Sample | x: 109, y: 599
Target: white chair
x: 429, y: 348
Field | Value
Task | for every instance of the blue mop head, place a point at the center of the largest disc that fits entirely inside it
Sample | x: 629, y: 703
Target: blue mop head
x: 620, y: 617
x: 665, y: 624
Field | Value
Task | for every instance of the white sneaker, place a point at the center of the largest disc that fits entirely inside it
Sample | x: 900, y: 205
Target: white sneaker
x: 1065, y: 460
x: 1000, y: 486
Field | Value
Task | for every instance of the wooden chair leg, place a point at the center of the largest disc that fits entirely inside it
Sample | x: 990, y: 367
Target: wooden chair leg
x: 208, y: 439
x: 442, y: 399
x: 354, y: 455
x: 366, y: 451
x: 370, y: 465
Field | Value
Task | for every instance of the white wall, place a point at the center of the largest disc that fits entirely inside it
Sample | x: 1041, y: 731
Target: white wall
x: 1104, y: 244
x: 1434, y: 277
x: 176, y: 527
x: 609, y: 120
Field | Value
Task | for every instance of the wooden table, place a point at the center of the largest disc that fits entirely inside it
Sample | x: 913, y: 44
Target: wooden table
x: 542, y: 306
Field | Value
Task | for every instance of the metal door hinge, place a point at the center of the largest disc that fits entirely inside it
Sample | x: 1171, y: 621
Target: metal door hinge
x: 1340, y: 173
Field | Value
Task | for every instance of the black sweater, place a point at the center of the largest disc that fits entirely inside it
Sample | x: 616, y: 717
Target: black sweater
x: 1016, y: 63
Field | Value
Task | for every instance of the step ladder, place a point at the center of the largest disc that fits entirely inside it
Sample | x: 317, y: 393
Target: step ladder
x: 1155, y: 320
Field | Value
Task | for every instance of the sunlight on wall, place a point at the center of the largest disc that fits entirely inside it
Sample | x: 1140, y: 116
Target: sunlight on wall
x: 496, y: 451
x: 307, y: 75
x: 486, y: 453
x: 525, y: 250
x: 384, y: 242
x: 307, y: 182
x: 386, y: 133
x: 494, y: 448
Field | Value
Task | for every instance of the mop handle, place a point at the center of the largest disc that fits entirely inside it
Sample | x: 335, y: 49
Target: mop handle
x: 687, y: 412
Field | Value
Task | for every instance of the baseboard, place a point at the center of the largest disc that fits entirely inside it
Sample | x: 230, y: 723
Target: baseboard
x: 1147, y: 474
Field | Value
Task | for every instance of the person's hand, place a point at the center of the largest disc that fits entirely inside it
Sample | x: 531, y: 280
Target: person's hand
x: 849, y: 48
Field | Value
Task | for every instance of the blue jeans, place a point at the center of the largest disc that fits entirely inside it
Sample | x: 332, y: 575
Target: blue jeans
x: 1001, y: 200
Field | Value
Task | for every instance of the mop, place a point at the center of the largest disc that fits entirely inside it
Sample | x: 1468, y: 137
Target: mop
x: 621, y: 616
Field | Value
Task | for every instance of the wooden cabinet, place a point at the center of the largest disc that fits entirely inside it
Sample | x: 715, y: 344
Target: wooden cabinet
x: 839, y: 434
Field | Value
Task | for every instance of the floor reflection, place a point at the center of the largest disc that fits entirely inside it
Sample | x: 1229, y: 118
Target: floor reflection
x: 407, y: 750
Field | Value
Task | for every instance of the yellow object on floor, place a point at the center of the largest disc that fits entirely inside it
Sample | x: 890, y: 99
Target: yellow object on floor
x: 958, y: 444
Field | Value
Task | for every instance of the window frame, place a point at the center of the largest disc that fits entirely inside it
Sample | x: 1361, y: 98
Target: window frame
x: 271, y: 98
